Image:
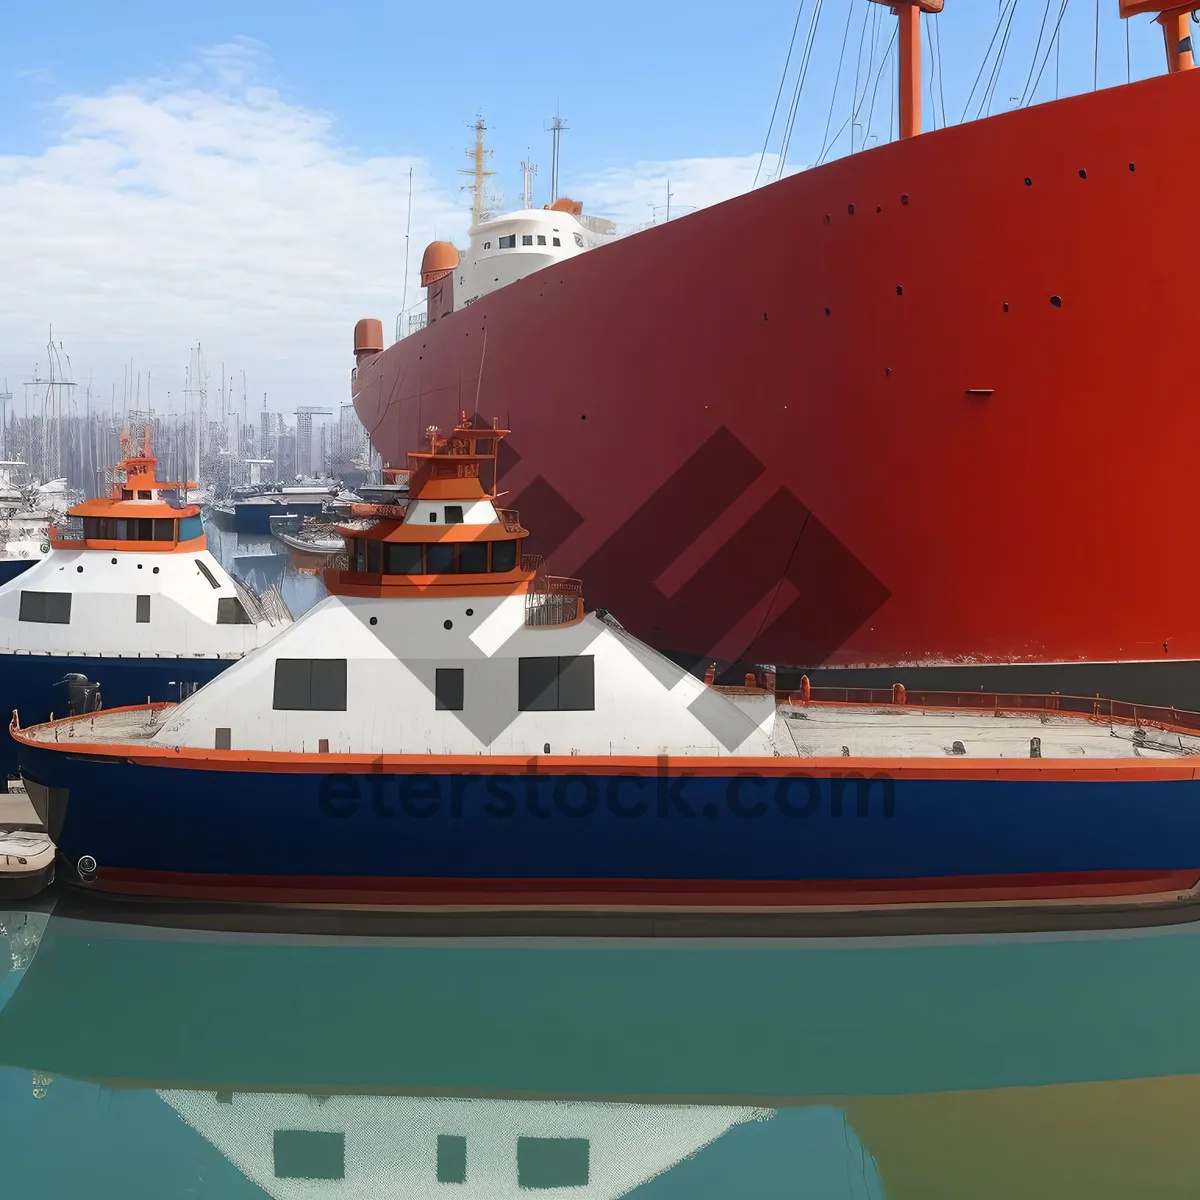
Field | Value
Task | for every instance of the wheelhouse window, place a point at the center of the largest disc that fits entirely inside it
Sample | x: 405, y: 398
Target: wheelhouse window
x: 508, y: 241
x: 310, y: 684
x: 374, y: 558
x: 145, y: 496
x: 541, y: 239
x: 190, y: 527
x: 473, y: 557
x: 439, y: 558
x: 453, y: 514
x: 46, y: 608
x: 504, y: 556
x: 556, y: 241
x: 402, y: 558
x: 164, y: 529
x: 527, y: 239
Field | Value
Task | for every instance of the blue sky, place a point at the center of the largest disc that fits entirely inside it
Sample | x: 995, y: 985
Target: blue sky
x: 179, y: 172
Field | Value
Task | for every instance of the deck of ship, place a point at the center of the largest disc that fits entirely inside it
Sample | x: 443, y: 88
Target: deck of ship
x: 825, y: 731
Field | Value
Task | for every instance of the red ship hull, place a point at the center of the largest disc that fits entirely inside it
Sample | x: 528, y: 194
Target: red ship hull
x: 918, y: 412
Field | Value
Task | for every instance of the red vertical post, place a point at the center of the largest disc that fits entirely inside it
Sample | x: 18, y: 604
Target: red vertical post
x: 1177, y: 35
x: 909, y: 15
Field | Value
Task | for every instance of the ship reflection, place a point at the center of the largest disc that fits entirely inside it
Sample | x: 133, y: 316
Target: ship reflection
x: 189, y: 1062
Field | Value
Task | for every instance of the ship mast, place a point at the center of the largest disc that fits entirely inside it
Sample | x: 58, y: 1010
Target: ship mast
x: 479, y: 175
x: 1176, y: 26
x: 909, y: 14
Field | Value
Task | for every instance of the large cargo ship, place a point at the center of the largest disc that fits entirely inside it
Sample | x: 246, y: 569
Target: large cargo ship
x: 918, y: 415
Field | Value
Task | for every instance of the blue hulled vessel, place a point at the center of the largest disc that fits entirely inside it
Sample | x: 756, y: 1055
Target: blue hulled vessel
x: 450, y: 727
x: 127, y: 606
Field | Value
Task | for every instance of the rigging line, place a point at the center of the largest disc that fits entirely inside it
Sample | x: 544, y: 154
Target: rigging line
x: 1036, y: 51
x: 987, y: 54
x: 800, y: 81
x: 925, y: 34
x: 937, y: 35
x: 838, y: 77
x: 883, y: 62
x: 859, y: 101
x: 991, y: 92
x: 1055, y: 42
x: 855, y: 102
x: 779, y: 94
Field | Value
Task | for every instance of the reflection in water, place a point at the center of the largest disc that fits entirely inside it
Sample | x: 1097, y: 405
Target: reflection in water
x: 262, y: 562
x: 177, y: 1062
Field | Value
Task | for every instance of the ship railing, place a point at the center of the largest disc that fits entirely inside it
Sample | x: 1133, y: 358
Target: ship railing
x: 1097, y: 707
x: 531, y: 562
x: 553, y: 600
x: 510, y: 519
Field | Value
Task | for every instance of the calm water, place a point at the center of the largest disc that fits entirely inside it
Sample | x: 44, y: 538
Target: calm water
x: 157, y: 1062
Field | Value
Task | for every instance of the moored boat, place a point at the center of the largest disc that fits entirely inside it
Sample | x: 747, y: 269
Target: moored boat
x: 449, y: 726
x: 128, y: 605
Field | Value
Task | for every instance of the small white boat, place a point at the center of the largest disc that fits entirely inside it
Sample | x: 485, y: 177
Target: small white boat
x: 26, y: 863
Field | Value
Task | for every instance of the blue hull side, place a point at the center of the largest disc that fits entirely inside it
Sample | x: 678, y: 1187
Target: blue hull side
x: 10, y: 568
x: 27, y: 684
x: 256, y: 518
x: 525, y: 827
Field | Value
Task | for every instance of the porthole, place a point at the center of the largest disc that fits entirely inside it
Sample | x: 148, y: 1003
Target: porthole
x: 470, y: 612
x: 79, y: 569
x: 447, y: 624
x: 374, y: 620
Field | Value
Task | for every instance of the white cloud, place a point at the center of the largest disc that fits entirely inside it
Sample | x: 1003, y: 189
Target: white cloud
x: 635, y: 195
x: 207, y: 206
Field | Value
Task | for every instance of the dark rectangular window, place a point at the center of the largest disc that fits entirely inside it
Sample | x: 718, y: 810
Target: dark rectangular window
x: 141, y: 529
x: 310, y: 684
x: 504, y: 556
x: 453, y: 514
x: 541, y: 239
x: 231, y: 611
x: 439, y: 558
x: 47, y: 608
x: 164, y: 529
x: 374, y: 558
x: 508, y: 241
x: 307, y: 1154
x: 121, y: 533
x: 551, y: 1162
x: 190, y: 527
x: 207, y: 574
x: 473, y: 557
x: 577, y: 683
x: 451, y: 1158
x: 402, y: 558
x: 224, y: 739
x: 143, y: 610
x: 448, y: 689
x: 557, y: 684
x: 556, y: 241
x: 527, y: 239
x: 537, y: 684
x: 145, y: 496
x: 126, y: 494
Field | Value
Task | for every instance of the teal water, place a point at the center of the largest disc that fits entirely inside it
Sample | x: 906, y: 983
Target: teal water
x: 149, y: 1061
